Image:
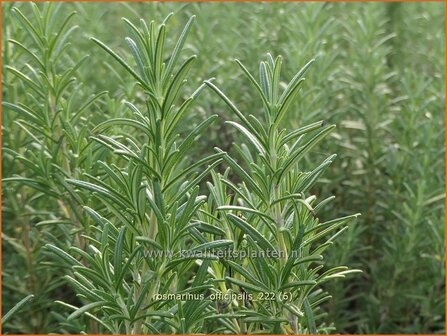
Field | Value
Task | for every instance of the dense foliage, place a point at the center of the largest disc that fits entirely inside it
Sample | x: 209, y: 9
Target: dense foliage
x: 137, y: 154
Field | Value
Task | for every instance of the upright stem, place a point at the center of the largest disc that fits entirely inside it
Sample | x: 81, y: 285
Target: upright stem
x: 277, y: 213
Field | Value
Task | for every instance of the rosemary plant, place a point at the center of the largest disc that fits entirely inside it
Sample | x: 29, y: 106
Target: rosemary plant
x: 46, y: 143
x: 149, y: 205
x: 282, y: 214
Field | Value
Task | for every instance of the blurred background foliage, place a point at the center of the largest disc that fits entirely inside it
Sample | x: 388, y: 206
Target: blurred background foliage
x: 379, y: 75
